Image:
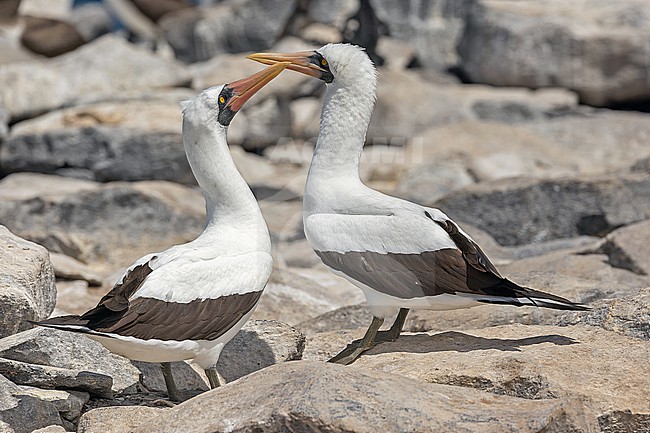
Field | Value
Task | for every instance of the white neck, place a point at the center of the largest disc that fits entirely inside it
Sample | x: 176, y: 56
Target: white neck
x: 334, y: 171
x: 229, y: 201
x: 343, y: 126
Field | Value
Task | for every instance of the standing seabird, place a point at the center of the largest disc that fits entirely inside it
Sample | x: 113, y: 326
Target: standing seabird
x: 400, y: 254
x: 188, y: 301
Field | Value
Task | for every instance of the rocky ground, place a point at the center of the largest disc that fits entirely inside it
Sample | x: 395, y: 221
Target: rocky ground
x: 524, y: 121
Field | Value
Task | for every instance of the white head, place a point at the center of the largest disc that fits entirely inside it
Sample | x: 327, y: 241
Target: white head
x: 221, y: 103
x: 344, y: 65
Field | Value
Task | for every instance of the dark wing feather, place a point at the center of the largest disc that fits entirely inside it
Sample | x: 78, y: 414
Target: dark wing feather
x: 462, y: 270
x: 472, y: 253
x: 149, y: 318
x: 201, y: 319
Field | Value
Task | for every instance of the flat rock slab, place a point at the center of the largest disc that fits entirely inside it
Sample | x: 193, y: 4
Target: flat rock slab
x: 608, y: 371
x: 71, y: 355
x: 43, y: 376
x: 308, y: 396
x: 27, y: 290
x: 116, y: 419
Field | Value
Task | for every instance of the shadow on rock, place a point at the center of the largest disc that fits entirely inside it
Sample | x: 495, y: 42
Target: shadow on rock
x: 460, y: 342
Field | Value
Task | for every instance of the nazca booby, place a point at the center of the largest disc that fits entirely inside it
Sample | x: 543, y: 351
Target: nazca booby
x: 188, y: 301
x: 400, y: 254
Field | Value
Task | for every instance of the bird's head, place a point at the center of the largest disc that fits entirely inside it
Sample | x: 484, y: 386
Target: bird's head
x: 332, y: 63
x: 225, y: 100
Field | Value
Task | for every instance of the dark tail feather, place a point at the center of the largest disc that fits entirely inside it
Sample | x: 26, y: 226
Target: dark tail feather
x: 66, y: 323
x: 513, y: 294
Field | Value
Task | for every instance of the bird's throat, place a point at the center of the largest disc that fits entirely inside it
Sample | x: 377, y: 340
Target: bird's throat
x: 343, y: 126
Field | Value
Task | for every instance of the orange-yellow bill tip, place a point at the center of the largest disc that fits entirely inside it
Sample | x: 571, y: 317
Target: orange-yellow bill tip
x: 245, y: 88
x: 299, y: 61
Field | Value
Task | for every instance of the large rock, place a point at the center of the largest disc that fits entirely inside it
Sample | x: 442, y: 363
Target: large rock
x: 448, y: 157
x: 607, y: 371
x: 23, y: 413
x: 304, y: 396
x: 292, y: 298
x: 112, y: 224
x: 629, y: 248
x: 519, y: 210
x: 100, y: 153
x: 436, y: 105
x: 597, y: 48
x: 627, y: 315
x: 43, y: 376
x: 230, y: 27
x: 137, y: 139
x: 69, y: 404
x: 433, y: 27
x: 600, y: 142
x: 71, y: 351
x: 27, y: 290
x: 42, y: 86
x: 259, y: 344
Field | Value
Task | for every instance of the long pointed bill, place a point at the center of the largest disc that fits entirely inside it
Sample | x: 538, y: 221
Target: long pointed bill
x: 299, y: 62
x: 245, y: 88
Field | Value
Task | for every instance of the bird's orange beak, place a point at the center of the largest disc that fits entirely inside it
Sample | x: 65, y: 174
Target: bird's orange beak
x: 299, y: 62
x: 245, y: 88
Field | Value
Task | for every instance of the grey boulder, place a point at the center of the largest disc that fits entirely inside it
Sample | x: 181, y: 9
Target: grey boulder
x: 308, y: 396
x: 69, y: 351
x: 27, y: 290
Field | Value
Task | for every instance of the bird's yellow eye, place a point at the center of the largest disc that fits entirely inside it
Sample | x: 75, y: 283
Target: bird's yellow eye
x: 222, y: 99
x: 323, y: 62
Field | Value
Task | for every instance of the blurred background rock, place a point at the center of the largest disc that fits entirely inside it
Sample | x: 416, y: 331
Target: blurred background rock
x: 526, y: 120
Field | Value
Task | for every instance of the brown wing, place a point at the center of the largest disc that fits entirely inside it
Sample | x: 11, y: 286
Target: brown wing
x: 465, y: 269
x: 201, y: 319
x: 415, y: 275
x: 118, y: 298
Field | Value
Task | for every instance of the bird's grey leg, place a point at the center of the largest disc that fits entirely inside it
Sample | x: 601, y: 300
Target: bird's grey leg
x: 172, y: 391
x: 356, y: 348
x: 213, y: 377
x: 395, y: 329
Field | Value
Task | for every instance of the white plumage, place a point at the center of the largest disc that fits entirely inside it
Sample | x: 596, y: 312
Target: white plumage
x: 188, y: 301
x: 401, y: 254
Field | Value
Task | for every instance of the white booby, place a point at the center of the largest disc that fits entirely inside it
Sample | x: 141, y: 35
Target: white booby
x: 188, y: 301
x: 400, y: 254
